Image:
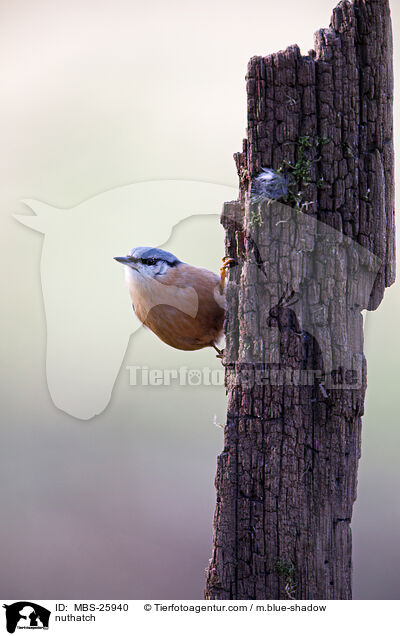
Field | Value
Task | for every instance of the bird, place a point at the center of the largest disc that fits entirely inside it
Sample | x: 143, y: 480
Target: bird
x: 182, y: 304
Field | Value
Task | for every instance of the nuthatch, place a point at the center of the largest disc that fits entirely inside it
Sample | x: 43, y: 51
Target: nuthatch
x: 182, y: 304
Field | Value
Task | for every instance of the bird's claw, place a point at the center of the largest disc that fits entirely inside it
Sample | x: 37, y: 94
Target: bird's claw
x: 226, y: 262
x: 220, y: 352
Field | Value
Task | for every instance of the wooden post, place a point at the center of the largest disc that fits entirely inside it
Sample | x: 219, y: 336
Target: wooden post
x: 304, y: 267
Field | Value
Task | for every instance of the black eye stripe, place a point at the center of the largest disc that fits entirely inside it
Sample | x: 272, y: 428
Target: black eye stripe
x: 152, y: 261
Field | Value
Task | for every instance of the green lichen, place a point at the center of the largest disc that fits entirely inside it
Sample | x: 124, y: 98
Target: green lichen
x: 348, y: 150
x: 365, y: 197
x: 244, y: 174
x: 255, y: 218
x: 300, y: 172
x: 286, y: 570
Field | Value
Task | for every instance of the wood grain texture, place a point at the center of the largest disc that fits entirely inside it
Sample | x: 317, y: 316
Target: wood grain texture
x: 286, y: 479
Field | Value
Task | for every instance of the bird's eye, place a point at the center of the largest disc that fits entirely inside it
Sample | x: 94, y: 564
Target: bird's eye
x: 149, y: 261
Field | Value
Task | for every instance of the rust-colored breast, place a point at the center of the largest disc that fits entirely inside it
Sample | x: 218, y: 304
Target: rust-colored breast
x: 190, y: 314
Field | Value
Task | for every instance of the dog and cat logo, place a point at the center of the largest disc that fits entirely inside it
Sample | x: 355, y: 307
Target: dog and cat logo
x: 26, y: 615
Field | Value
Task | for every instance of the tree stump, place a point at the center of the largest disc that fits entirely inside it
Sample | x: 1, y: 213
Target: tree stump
x: 305, y: 264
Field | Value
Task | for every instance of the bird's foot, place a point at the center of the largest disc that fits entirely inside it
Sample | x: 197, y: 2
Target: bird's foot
x: 226, y: 263
x: 220, y: 352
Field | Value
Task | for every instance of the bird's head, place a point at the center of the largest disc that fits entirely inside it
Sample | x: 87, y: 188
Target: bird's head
x: 149, y: 262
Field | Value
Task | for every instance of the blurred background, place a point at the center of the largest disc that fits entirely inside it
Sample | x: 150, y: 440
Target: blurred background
x: 97, y: 95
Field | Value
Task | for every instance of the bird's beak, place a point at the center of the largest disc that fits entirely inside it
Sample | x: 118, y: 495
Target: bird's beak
x: 126, y: 260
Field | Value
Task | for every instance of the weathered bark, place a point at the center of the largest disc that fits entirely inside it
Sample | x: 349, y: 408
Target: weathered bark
x: 286, y: 479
